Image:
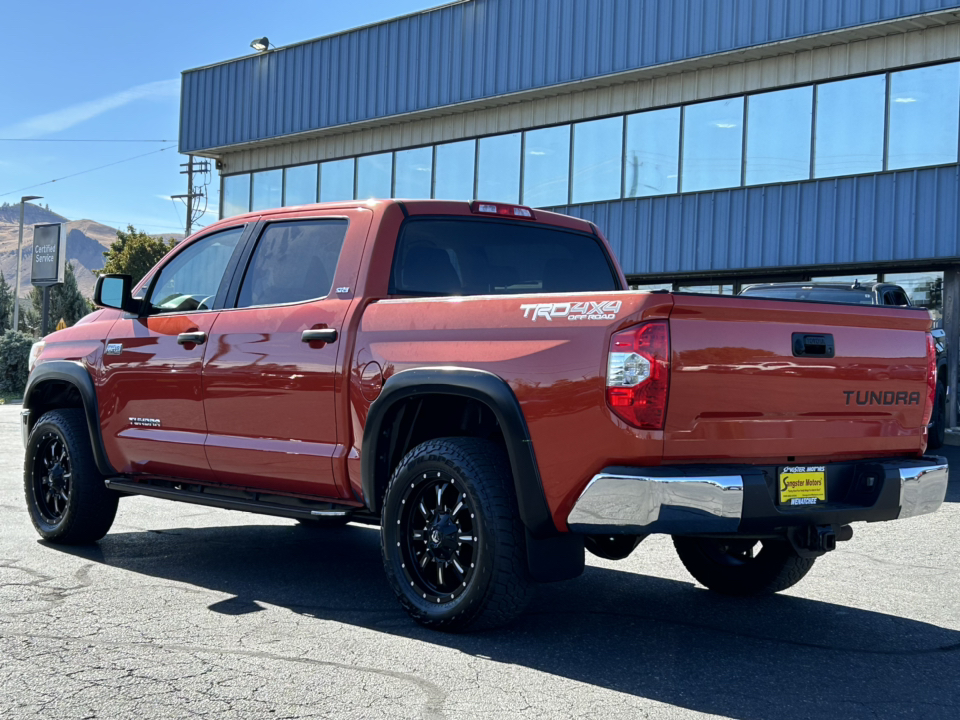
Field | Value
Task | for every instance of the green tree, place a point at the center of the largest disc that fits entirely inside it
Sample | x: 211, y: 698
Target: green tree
x: 134, y: 252
x: 66, y: 301
x: 6, y: 305
x: 14, y: 356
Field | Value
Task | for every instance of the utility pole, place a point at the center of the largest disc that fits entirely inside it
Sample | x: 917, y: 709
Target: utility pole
x: 16, y: 292
x: 193, y: 192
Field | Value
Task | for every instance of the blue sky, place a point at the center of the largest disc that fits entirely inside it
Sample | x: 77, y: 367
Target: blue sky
x: 111, y: 69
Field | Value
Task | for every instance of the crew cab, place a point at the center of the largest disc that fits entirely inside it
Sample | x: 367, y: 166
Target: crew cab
x: 476, y: 379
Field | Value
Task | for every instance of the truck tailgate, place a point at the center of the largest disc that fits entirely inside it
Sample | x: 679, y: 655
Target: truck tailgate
x: 739, y: 390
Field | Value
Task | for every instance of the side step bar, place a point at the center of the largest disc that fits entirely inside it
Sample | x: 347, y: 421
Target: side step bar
x: 205, y: 496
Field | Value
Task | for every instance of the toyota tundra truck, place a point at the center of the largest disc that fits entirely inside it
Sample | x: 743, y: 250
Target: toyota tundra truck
x: 478, y: 380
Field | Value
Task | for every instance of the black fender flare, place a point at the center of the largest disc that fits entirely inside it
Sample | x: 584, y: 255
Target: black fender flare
x: 73, y: 373
x: 478, y: 385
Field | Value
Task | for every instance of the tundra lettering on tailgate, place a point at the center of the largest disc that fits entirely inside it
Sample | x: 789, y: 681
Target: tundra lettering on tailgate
x: 887, y: 397
x: 588, y: 310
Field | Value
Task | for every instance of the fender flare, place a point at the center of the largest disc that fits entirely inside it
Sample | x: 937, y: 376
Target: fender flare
x: 73, y: 373
x: 478, y: 385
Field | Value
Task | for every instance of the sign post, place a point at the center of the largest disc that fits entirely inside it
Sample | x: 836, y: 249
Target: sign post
x: 49, y: 263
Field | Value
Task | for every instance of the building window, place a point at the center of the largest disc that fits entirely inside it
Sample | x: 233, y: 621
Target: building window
x: 455, y: 170
x: 546, y: 167
x: 924, y: 116
x: 925, y: 289
x: 336, y: 180
x: 779, y: 128
x: 712, y: 145
x: 236, y: 195
x: 653, y: 153
x: 597, y: 160
x: 300, y: 185
x: 375, y: 176
x: 498, y: 171
x: 849, y: 129
x: 414, y: 173
x: 267, y: 190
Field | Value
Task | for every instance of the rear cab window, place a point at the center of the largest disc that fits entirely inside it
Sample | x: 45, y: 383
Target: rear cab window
x: 466, y: 256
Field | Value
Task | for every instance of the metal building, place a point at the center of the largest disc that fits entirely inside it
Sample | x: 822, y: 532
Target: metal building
x: 715, y: 142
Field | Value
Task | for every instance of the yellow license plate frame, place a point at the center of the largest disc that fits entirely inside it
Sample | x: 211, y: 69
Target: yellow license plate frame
x: 798, y: 486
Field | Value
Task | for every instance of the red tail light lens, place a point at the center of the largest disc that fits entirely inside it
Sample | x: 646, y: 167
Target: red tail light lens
x: 931, y: 379
x: 638, y: 374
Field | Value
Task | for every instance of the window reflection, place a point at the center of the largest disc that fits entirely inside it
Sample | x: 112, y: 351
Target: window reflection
x: 374, y: 176
x: 414, y: 173
x: 653, y: 152
x: 712, y: 145
x: 498, y: 174
x: 546, y: 167
x: 779, y: 126
x: 454, y: 171
x: 925, y: 289
x: 300, y: 185
x: 267, y: 190
x: 850, y: 121
x: 235, y: 199
x: 336, y: 180
x: 924, y: 116
x: 597, y: 160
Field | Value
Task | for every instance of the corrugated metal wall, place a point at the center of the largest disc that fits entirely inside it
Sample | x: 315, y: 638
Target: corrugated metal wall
x: 484, y: 48
x: 900, y: 216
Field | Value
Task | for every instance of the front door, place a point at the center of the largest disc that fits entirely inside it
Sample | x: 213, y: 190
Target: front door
x: 151, y: 406
x: 271, y: 372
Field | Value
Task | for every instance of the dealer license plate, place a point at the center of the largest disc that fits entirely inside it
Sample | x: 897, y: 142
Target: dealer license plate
x: 803, y: 485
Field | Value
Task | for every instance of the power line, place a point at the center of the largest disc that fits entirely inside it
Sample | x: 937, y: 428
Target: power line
x: 84, y: 172
x: 93, y: 140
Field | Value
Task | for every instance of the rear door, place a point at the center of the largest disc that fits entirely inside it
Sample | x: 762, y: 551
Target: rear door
x: 151, y: 408
x: 273, y: 372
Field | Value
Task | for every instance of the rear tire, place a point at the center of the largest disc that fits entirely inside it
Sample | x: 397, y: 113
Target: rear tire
x: 454, y: 549
x: 66, y: 498
x: 733, y: 567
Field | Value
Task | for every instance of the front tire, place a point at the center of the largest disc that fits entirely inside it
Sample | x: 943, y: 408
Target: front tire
x: 66, y: 497
x: 734, y: 567
x: 453, y: 545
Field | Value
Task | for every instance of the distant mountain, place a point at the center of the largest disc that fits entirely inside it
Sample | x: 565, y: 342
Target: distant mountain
x: 87, y: 240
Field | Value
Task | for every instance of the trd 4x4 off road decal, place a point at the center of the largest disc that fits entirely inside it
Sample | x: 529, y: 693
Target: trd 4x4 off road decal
x: 589, y: 310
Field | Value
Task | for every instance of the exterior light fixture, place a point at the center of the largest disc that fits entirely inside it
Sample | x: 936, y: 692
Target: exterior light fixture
x: 260, y: 44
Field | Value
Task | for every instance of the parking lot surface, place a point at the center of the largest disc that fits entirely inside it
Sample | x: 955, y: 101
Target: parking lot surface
x: 183, y: 611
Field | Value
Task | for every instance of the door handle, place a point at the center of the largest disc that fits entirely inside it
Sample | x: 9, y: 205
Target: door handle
x: 324, y: 335
x: 192, y: 338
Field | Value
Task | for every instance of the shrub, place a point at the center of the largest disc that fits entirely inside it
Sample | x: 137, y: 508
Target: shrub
x: 14, y: 356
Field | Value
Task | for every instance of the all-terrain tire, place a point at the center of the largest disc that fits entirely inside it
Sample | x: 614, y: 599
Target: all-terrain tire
x: 728, y: 568
x: 66, y: 498
x: 495, y: 585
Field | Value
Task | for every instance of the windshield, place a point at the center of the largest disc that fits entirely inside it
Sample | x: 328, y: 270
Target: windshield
x: 459, y: 256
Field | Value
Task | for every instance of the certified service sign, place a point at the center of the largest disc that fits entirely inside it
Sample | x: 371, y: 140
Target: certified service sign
x: 49, y: 254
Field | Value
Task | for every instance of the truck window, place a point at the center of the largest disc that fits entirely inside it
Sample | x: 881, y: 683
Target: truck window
x: 190, y: 281
x: 293, y: 262
x: 460, y: 256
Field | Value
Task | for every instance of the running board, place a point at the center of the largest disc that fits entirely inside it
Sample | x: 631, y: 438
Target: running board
x: 204, y: 495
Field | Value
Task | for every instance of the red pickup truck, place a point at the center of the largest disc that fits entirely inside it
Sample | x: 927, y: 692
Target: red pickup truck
x: 478, y: 380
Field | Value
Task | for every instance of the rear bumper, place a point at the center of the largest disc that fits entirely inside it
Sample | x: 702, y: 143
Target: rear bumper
x: 692, y: 500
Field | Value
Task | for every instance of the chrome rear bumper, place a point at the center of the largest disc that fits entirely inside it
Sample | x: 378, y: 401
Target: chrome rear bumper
x: 739, y: 498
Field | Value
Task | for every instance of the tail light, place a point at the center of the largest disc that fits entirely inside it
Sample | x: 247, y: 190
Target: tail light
x: 931, y: 379
x: 638, y: 374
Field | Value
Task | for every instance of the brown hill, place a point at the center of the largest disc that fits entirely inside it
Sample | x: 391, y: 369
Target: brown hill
x: 86, y: 242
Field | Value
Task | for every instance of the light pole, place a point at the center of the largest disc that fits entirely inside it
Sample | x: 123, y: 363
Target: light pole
x: 16, y: 294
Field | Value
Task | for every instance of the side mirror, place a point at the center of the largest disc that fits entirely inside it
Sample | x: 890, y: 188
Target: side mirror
x: 113, y: 291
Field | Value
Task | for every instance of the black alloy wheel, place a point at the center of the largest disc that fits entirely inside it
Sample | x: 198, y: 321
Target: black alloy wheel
x: 66, y: 497
x: 52, y: 473
x: 439, y: 537
x: 454, y: 549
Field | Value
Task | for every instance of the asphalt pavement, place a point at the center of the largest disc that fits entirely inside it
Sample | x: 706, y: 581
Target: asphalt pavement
x: 183, y: 611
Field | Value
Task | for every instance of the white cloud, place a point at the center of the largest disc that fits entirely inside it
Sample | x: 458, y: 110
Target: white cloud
x: 75, y: 114
x: 725, y: 126
x: 905, y: 100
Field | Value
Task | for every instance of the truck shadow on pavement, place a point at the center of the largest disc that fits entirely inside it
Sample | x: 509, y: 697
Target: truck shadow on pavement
x: 756, y: 659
